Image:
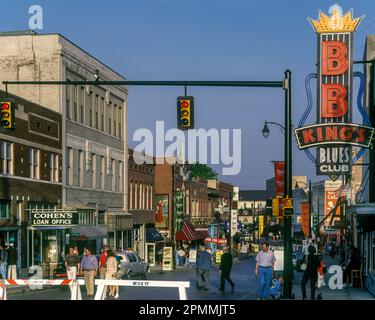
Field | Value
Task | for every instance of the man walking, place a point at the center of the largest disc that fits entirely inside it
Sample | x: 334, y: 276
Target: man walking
x: 12, y: 262
x: 203, y: 268
x: 225, y: 269
x: 3, y: 261
x: 89, y: 265
x: 265, y: 262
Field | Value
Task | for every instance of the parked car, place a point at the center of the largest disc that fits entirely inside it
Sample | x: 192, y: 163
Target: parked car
x: 131, y: 265
x: 60, y: 272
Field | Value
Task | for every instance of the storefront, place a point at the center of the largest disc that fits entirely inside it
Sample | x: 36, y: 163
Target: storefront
x: 48, y: 236
x: 119, y: 229
x: 87, y: 236
x: 363, y: 216
x: 154, y: 243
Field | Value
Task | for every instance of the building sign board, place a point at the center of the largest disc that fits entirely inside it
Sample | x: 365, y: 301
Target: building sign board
x: 53, y: 217
x: 334, y: 134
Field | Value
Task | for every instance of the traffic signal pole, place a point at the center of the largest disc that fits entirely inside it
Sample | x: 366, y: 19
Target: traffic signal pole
x: 284, y: 84
x: 288, y: 214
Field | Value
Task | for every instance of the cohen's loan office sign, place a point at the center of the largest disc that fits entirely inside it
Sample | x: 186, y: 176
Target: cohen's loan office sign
x: 334, y: 135
x: 53, y: 217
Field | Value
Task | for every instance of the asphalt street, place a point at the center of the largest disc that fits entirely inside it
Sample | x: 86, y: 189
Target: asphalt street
x: 242, y: 275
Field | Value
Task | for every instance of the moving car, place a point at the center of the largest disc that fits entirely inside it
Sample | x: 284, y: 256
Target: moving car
x: 131, y: 265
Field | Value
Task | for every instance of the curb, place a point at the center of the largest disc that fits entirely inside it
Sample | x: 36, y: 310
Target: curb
x: 22, y: 290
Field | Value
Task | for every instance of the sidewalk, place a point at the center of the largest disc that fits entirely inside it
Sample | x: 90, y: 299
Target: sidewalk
x: 327, y: 293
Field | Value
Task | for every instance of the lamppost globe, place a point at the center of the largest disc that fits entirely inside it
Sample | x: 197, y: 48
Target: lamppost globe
x: 265, y: 131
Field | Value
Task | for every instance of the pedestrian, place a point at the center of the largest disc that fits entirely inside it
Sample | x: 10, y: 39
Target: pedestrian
x: 12, y: 262
x: 276, y: 288
x: 265, y: 262
x: 72, y: 265
x: 111, y: 273
x: 89, y: 266
x: 203, y: 268
x: 76, y: 250
x: 311, y: 273
x: 225, y: 269
x: 181, y: 257
x: 3, y: 261
x: 320, y: 282
x: 103, y: 262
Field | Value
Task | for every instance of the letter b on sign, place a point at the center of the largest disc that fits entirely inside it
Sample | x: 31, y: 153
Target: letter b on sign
x: 334, y: 104
x: 334, y: 59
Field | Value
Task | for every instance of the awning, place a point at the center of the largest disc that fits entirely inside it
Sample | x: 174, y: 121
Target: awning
x: 365, y: 214
x: 87, y: 232
x: 203, y: 234
x: 153, y: 235
x: 188, y: 233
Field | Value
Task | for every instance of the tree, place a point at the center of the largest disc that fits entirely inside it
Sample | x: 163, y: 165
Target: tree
x: 200, y: 170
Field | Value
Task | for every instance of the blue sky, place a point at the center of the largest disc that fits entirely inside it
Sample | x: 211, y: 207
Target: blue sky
x: 203, y: 40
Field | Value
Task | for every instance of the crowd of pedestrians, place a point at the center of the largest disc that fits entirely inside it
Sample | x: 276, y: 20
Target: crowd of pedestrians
x: 8, y: 261
x: 106, y: 267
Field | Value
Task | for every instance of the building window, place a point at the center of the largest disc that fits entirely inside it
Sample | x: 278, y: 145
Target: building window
x: 114, y: 119
x: 75, y: 98
x: 109, y: 118
x: 68, y: 102
x: 113, y: 175
x: 120, y: 180
x: 80, y: 168
x: 102, y: 171
x: 54, y: 167
x: 96, y: 111
x: 70, y: 166
x: 91, y: 111
x: 93, y: 171
x: 34, y: 163
x: 130, y: 195
x: 6, y: 157
x: 82, y: 104
x: 119, y: 122
x: 4, y: 210
x: 102, y: 114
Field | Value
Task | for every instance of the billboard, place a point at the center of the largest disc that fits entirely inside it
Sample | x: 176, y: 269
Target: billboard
x: 161, y: 205
x: 331, y: 198
x: 334, y: 135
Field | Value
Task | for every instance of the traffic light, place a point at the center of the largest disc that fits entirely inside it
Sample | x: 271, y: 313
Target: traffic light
x: 7, y: 114
x: 185, y: 112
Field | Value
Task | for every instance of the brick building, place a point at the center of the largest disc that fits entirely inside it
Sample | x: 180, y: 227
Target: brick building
x: 31, y: 178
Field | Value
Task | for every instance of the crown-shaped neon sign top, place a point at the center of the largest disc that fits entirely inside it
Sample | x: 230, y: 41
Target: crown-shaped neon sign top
x: 336, y: 22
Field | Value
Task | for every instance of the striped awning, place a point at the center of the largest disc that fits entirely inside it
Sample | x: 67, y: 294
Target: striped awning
x: 203, y: 234
x: 188, y: 233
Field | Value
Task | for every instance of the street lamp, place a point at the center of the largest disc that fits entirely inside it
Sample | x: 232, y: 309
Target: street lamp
x: 288, y: 213
x: 266, y: 131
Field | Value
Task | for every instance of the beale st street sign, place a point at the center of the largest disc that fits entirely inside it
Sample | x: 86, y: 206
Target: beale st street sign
x: 334, y: 134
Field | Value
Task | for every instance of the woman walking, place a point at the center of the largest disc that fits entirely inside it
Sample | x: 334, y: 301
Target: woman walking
x: 111, y: 273
x: 311, y: 272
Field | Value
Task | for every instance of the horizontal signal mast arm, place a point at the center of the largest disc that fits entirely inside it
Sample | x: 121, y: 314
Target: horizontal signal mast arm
x: 272, y: 84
